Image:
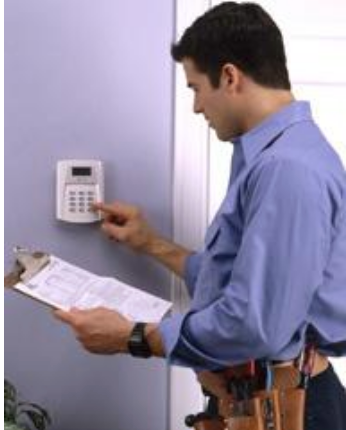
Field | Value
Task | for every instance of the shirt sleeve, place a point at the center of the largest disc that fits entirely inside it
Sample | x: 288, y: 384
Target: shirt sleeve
x: 191, y: 269
x: 278, y: 268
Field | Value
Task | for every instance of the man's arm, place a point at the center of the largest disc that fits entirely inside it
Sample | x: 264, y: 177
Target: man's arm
x: 125, y: 224
x: 266, y: 301
x: 105, y: 331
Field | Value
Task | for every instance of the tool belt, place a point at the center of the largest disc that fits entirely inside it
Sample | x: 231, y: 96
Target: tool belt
x: 264, y: 398
x: 279, y: 408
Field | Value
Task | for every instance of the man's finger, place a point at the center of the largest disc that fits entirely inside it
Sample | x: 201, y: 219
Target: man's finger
x: 64, y: 316
x: 113, y: 231
x: 116, y: 209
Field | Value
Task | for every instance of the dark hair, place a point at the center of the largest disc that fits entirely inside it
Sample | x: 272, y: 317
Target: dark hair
x: 243, y: 34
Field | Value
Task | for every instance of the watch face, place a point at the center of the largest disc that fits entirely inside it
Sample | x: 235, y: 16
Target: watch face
x: 137, y: 344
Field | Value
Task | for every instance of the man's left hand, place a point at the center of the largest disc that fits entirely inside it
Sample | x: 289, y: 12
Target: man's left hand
x: 99, y: 330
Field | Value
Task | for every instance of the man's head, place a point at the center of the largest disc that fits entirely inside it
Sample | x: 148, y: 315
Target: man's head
x: 231, y: 45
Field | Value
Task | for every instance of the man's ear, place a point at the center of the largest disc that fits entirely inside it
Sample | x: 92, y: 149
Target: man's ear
x: 230, y: 76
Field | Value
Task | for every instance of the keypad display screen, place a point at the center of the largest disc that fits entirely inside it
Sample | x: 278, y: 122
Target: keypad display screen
x: 81, y: 171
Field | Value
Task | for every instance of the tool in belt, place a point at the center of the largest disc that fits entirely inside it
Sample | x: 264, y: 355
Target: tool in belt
x: 261, y: 396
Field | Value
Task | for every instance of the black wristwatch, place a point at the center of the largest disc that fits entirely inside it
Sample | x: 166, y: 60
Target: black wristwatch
x: 137, y: 344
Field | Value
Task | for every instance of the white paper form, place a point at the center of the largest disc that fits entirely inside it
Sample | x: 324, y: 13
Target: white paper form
x: 64, y: 285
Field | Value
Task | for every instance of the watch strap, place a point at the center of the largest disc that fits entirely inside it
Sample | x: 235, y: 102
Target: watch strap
x: 138, y: 345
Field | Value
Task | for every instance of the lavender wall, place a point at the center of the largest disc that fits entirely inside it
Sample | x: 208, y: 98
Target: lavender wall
x: 86, y: 79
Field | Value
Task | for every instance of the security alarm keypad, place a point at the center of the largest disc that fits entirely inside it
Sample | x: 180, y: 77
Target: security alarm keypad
x: 79, y: 184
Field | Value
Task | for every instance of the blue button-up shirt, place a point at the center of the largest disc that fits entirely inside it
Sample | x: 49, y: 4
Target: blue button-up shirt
x: 274, y: 260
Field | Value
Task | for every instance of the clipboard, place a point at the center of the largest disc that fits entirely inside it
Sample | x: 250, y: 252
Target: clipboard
x: 62, y: 285
x: 27, y: 264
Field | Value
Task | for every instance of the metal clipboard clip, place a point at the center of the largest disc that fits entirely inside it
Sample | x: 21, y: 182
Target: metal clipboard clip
x: 27, y: 265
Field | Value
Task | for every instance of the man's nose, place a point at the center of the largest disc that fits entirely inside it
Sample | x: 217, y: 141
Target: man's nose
x: 197, y: 108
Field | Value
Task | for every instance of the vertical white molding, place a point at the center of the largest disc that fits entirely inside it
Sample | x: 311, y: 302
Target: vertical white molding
x: 190, y: 188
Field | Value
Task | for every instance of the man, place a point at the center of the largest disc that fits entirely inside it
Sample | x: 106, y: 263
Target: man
x: 272, y: 271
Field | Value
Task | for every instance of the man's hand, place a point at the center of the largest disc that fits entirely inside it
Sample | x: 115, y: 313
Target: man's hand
x: 125, y: 224
x: 100, y: 330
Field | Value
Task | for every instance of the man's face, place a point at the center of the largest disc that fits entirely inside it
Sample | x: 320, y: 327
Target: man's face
x: 214, y: 103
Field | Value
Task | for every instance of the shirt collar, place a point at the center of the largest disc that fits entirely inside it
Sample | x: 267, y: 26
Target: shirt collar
x: 255, y: 140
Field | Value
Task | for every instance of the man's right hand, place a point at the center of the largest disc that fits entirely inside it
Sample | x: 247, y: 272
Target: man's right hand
x: 125, y: 223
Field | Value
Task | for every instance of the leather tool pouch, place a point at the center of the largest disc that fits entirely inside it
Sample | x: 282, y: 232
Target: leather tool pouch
x: 292, y: 408
x: 209, y: 424
x: 258, y: 413
x: 281, y: 408
x: 274, y: 410
x: 267, y: 410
